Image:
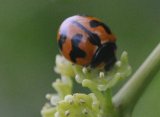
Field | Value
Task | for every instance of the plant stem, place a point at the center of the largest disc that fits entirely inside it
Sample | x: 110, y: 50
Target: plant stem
x: 109, y: 108
x: 128, y: 95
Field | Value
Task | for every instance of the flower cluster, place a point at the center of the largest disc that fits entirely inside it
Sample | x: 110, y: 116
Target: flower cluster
x: 96, y: 104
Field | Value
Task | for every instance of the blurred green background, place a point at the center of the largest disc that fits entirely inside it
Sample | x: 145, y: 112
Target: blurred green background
x: 28, y: 47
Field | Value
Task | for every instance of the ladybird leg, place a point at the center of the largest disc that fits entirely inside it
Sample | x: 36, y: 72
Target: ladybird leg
x: 105, y: 54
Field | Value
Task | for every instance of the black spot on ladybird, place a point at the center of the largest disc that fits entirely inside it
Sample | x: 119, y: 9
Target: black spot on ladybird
x: 95, y: 23
x: 76, y: 52
x: 93, y: 38
x: 62, y: 40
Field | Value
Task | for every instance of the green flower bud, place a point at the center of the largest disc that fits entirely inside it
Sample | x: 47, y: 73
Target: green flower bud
x: 79, y: 105
x: 63, y: 86
x: 100, y: 82
x: 103, y: 79
x: 64, y: 67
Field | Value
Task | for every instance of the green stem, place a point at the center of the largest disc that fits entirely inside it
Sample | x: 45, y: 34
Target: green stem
x: 109, y: 108
x: 129, y: 94
x: 104, y: 97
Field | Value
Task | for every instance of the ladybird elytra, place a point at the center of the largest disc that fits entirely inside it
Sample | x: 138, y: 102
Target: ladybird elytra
x: 86, y: 41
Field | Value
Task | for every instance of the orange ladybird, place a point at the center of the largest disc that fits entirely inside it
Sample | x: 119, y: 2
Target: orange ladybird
x: 86, y: 41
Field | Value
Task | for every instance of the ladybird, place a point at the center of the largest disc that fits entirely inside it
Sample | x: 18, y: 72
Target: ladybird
x: 86, y: 41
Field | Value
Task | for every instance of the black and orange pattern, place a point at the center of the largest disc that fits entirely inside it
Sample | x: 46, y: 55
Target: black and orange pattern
x: 87, y: 41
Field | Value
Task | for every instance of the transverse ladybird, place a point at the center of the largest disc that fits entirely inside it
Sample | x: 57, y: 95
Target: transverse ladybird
x: 86, y: 41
